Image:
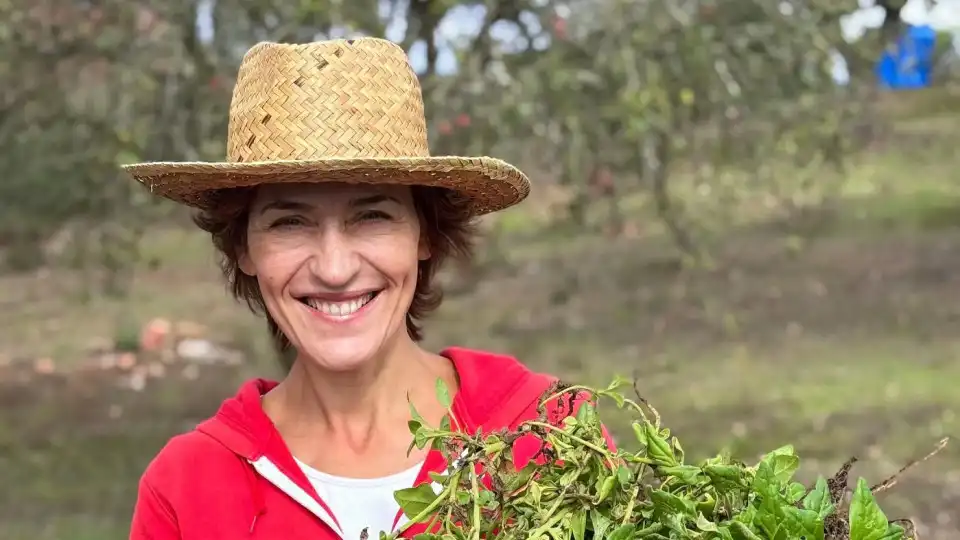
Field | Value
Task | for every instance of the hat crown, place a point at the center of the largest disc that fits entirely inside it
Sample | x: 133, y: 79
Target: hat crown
x: 356, y: 98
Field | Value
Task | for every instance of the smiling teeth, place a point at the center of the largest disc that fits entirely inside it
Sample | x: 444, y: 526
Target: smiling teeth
x: 339, y: 309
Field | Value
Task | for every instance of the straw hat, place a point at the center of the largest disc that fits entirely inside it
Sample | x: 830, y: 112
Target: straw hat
x: 331, y: 111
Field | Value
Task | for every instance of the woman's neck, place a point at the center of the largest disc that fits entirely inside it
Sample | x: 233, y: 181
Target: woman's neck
x: 355, y: 409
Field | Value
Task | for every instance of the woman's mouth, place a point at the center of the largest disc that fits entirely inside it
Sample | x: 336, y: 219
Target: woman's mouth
x: 340, y: 309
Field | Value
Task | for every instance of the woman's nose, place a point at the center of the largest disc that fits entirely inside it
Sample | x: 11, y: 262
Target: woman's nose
x: 335, y: 262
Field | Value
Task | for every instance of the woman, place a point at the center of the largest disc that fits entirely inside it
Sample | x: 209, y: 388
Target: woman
x: 332, y: 220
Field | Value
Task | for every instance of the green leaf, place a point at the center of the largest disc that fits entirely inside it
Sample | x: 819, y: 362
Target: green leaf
x: 522, y: 477
x: 415, y: 499
x: 618, y: 382
x: 494, y: 444
x: 568, y: 477
x: 650, y: 532
x: 784, y: 467
x: 599, y: 522
x: 765, y: 482
x: 640, y: 433
x: 617, y: 398
x: 420, y: 438
x: 677, y: 450
x: 665, y: 502
x: 725, y: 477
x: 723, y: 533
x: 739, y: 531
x: 623, y: 532
x: 606, y: 485
x: 707, y: 505
x: 415, y: 415
x: 487, y: 499
x: 536, y: 493
x: 587, y: 415
x: 770, y: 513
x: 443, y: 394
x: 818, y: 499
x: 578, y: 524
x: 748, y: 516
x: 688, y: 474
x: 795, y: 492
x: 800, y: 523
x: 613, y: 390
x: 867, y: 521
x: 624, y: 476
x: 894, y: 532
x: 783, y: 462
x: 785, y: 450
x: 657, y: 447
x: 704, y: 525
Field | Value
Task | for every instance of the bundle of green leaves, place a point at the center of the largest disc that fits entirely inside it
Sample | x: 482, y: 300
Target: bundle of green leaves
x: 581, y: 490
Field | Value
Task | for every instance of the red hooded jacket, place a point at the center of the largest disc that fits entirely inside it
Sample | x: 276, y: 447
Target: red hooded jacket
x: 233, y: 477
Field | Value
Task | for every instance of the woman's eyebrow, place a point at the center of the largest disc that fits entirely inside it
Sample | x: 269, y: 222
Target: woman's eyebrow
x: 373, y: 199
x: 292, y: 206
x: 297, y: 206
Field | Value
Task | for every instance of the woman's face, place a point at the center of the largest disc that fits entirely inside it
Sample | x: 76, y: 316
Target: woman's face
x: 337, y: 266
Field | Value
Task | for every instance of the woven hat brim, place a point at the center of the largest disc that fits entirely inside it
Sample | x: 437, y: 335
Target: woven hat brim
x: 487, y: 184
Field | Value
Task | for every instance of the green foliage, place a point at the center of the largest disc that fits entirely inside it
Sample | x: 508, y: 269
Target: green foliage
x: 652, y: 92
x: 127, y: 334
x: 583, y: 490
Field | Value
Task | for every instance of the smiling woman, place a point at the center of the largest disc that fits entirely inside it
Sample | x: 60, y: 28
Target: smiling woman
x: 331, y: 219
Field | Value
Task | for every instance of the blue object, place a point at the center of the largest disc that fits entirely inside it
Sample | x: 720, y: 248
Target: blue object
x: 909, y: 63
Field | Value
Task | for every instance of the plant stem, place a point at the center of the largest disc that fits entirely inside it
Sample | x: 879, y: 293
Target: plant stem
x: 454, y: 421
x: 445, y: 494
x: 576, y: 388
x: 475, y: 491
x: 599, y: 449
x: 602, y: 451
x: 633, y: 500
x: 541, y: 530
x: 559, y: 501
x: 448, y: 520
x: 432, y: 522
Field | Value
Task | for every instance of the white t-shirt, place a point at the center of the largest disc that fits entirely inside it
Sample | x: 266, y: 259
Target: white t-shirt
x: 360, y: 503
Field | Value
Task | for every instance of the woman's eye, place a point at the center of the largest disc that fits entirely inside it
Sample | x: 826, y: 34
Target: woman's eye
x: 373, y: 215
x: 289, y: 221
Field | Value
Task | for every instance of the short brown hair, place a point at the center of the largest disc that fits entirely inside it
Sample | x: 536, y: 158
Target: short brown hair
x: 444, y: 219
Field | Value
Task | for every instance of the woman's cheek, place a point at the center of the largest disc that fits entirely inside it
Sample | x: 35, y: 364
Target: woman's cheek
x: 398, y: 258
x: 278, y: 259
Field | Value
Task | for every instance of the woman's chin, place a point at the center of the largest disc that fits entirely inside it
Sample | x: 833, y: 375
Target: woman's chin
x: 342, y: 355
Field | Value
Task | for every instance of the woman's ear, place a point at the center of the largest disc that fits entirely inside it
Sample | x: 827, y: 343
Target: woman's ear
x: 423, y: 248
x: 246, y: 264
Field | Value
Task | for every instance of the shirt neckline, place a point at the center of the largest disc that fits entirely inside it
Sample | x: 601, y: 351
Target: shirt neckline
x: 326, y: 478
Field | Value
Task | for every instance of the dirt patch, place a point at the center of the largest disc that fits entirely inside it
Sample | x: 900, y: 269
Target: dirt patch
x: 759, y: 291
x: 76, y: 445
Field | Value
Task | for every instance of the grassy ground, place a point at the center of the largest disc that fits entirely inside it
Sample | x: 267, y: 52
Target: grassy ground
x: 837, y: 336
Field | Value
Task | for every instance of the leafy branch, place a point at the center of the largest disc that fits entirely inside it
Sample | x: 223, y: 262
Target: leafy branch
x: 576, y: 488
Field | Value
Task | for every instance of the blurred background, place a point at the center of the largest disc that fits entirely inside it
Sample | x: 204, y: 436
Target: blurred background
x: 750, y: 205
